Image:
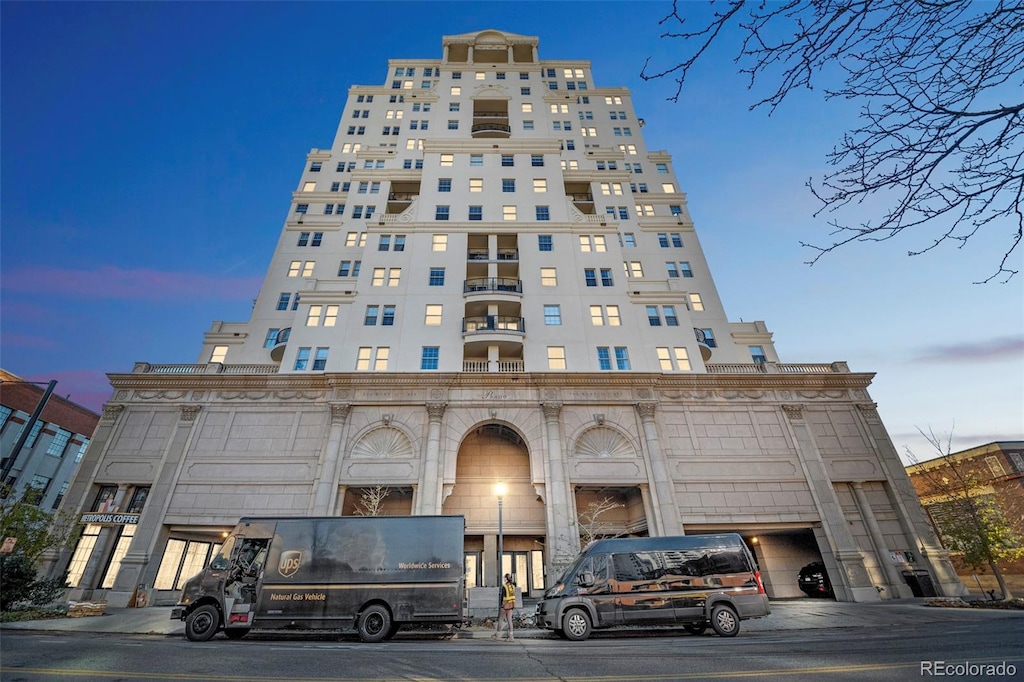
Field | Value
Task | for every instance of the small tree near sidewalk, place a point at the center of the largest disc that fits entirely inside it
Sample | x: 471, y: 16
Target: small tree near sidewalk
x: 36, y: 532
x: 589, y: 521
x: 965, y: 513
x: 371, y: 501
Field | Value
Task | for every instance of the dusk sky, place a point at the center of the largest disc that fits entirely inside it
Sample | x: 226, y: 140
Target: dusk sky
x: 149, y: 152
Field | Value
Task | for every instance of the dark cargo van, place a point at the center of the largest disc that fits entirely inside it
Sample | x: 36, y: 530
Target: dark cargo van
x: 693, y: 580
x: 372, y: 574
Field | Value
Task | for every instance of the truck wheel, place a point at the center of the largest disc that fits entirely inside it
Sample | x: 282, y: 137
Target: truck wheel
x: 236, y: 633
x: 577, y: 625
x: 695, y: 628
x: 202, y: 623
x: 725, y: 621
x: 374, y: 624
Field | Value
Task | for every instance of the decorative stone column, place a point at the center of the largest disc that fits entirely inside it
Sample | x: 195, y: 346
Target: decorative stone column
x: 896, y: 590
x: 136, y: 567
x: 429, y: 501
x: 850, y: 581
x: 562, y: 534
x: 324, y: 487
x: 662, y: 484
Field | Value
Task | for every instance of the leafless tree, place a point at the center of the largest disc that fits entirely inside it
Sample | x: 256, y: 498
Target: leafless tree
x: 371, y: 501
x: 939, y: 137
x: 589, y: 520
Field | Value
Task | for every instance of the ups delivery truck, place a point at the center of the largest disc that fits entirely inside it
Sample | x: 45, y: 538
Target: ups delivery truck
x: 371, y: 574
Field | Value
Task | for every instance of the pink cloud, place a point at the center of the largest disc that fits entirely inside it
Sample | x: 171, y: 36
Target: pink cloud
x: 40, y: 342
x: 984, y: 350
x: 113, y: 283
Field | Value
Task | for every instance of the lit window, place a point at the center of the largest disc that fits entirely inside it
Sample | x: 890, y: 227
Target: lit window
x: 433, y: 315
x: 363, y: 358
x: 596, y: 316
x: 634, y: 269
x: 645, y: 209
x: 309, y: 187
x: 307, y: 268
x: 528, y: 108
x: 682, y: 359
x: 476, y: 185
x: 696, y: 303
x: 439, y: 242
x: 313, y: 318
x: 394, y: 277
x: 540, y: 185
x: 480, y: 75
x: 330, y: 316
x: 668, y: 188
x: 548, y: 277
x: 381, y: 363
x: 556, y: 357
x: 508, y: 212
x: 378, y: 277
x: 599, y: 243
x: 447, y: 159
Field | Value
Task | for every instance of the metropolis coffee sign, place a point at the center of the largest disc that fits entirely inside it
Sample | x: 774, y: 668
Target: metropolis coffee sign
x: 108, y: 519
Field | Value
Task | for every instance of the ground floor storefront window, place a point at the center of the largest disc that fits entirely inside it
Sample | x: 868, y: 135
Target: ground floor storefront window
x: 183, y: 559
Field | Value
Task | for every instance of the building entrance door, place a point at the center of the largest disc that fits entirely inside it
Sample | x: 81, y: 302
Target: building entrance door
x: 527, y: 569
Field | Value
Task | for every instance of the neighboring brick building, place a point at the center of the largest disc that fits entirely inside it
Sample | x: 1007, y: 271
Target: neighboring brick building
x: 995, y: 469
x: 50, y: 455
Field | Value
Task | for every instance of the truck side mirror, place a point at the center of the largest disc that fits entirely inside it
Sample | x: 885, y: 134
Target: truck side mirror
x: 585, y: 579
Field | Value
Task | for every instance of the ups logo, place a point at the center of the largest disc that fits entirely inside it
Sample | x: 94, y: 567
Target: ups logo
x: 289, y: 563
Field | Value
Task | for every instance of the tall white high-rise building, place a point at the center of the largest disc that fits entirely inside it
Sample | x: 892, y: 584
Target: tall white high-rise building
x: 488, y: 277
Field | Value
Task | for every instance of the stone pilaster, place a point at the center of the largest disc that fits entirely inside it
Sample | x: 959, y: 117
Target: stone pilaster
x: 661, y: 482
x: 324, y: 486
x: 429, y: 501
x: 562, y: 534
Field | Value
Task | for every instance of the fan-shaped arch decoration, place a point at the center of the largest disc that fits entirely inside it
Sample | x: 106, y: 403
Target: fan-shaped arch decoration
x: 602, y: 442
x: 383, y: 443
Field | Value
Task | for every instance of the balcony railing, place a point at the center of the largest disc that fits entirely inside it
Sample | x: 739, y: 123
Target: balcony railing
x: 491, y: 128
x: 490, y: 114
x: 481, y: 366
x: 506, y: 284
x: 582, y: 197
x: 493, y: 323
x: 484, y: 254
x: 401, y: 196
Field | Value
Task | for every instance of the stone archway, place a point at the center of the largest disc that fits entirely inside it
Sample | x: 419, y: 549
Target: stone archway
x: 491, y: 452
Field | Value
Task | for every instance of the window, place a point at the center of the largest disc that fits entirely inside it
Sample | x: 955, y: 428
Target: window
x: 476, y: 160
x: 480, y: 75
x: 447, y: 159
x: 601, y: 316
x: 441, y: 213
x: 621, y: 358
x: 527, y: 125
x: 60, y: 494
x: 570, y: 164
x: 283, y: 300
x: 592, y: 243
x: 661, y: 167
x: 696, y: 303
x: 611, y: 188
x: 675, y: 209
x: 552, y: 315
x: 508, y: 212
x: 645, y: 210
x: 399, y: 242
x: 336, y: 186
x: 302, y: 359
x: 444, y: 185
x: 453, y: 124
x: 653, y: 318
x: 524, y: 91
x: 537, y: 160
x: 508, y: 160
x: 328, y: 209
x: 606, y: 277
x: 540, y: 185
x: 570, y: 145
x: 757, y: 354
x: 432, y: 317
x: 302, y: 208
x: 436, y: 277
x: 528, y: 108
x: 673, y: 271
x: 543, y: 213
x: 673, y: 359
x: 629, y: 240
x: 707, y: 337
x: 634, y: 269
x: 476, y: 185
x: 670, y: 316
x: 456, y: 75
x: 385, y: 242
x: 590, y: 277
x: 313, y: 317
x: 476, y: 212
x: 556, y: 357
x: 363, y: 358
x: 508, y: 185
x: 357, y: 211
x: 684, y: 268
x: 430, y: 357
x: 309, y: 187
x: 548, y: 277
x: 378, y: 277
x: 219, y: 354
x: 59, y: 442
x: 454, y: 107
x: 85, y: 444
x: 439, y: 242
x: 315, y: 167
x: 523, y: 75
x: 388, y: 318
x: 355, y: 239
x: 320, y: 359
x: 668, y: 188
x: 372, y: 313
x: 544, y: 242
x: 271, y: 340
x: 604, y: 360
x: 330, y: 315
x: 394, y: 277
x: 381, y: 362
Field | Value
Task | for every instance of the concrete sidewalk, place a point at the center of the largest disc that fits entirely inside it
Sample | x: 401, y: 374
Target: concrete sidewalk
x: 799, y: 614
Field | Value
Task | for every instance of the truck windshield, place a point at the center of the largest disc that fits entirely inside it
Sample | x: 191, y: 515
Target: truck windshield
x: 220, y: 562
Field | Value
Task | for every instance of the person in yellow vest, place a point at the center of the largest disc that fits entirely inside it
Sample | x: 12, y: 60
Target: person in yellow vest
x: 508, y: 605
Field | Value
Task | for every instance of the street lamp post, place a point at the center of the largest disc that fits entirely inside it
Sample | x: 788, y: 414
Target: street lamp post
x: 499, y: 492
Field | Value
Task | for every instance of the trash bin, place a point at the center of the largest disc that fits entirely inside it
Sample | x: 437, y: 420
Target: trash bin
x: 920, y: 583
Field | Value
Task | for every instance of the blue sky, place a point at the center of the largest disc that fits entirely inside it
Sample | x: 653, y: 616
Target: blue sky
x: 149, y: 151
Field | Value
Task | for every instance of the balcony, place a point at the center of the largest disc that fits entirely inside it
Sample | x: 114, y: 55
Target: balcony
x: 499, y: 366
x: 280, y: 343
x: 491, y: 130
x: 494, y: 324
x: 500, y: 284
x: 484, y: 254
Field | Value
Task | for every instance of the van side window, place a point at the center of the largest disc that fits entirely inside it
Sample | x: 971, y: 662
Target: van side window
x: 690, y: 563
x: 631, y: 567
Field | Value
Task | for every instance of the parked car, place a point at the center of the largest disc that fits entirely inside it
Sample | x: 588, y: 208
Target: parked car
x: 813, y: 580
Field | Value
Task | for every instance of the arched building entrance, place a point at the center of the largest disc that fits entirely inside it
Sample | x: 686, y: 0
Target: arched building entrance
x: 490, y: 453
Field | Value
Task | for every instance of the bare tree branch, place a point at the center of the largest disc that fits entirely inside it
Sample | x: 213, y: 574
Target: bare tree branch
x: 940, y: 138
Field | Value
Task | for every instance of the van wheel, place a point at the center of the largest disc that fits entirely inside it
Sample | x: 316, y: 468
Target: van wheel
x: 725, y: 621
x: 236, y: 633
x: 202, y: 623
x: 375, y: 624
x: 577, y: 625
x: 695, y: 628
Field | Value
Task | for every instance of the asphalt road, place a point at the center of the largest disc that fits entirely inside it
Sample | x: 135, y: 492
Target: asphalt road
x: 832, y: 654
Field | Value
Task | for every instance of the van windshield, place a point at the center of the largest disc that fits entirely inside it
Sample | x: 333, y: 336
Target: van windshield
x: 221, y: 561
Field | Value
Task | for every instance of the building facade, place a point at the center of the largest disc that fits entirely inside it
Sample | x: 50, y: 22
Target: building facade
x: 994, y: 473
x: 56, y: 443
x: 488, y: 277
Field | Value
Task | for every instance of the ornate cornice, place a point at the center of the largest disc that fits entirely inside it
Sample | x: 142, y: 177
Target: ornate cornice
x: 339, y: 412
x: 190, y: 412
x: 436, y: 410
x: 646, y: 410
x: 112, y: 412
x: 794, y: 412
x: 551, y: 409
x: 869, y: 411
